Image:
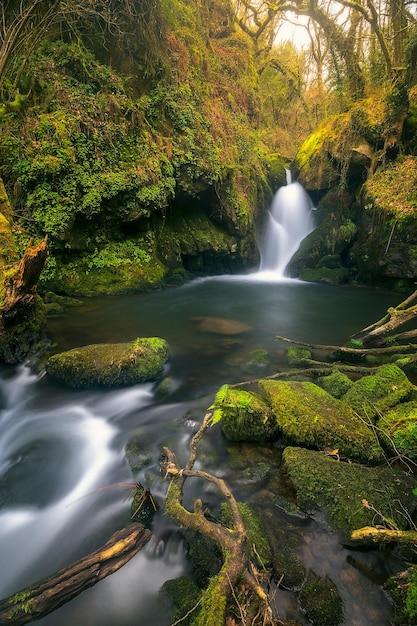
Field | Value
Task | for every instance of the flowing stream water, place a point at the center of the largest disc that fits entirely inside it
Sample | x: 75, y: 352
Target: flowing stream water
x: 59, y: 447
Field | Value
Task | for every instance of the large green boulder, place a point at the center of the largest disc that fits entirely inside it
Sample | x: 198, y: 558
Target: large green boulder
x: 310, y: 416
x: 110, y: 365
x: 398, y: 429
x: 353, y: 496
x: 371, y: 395
x: 243, y: 415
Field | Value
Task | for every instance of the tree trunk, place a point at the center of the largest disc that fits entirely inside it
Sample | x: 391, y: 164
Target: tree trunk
x: 40, y: 599
x: 20, y: 288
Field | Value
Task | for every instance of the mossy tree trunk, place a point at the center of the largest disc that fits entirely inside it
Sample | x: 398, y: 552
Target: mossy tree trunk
x: 22, y: 320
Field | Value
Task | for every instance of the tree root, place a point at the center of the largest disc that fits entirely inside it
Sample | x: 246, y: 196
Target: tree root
x: 237, y: 568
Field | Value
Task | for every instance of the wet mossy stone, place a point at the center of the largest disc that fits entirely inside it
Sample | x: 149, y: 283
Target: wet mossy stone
x: 402, y: 589
x: 297, y: 356
x: 341, y: 489
x: 372, y: 395
x: 336, y: 384
x: 184, y: 594
x: 320, y: 601
x: 398, y: 428
x: 311, y: 417
x: 110, y: 365
x: 243, y: 415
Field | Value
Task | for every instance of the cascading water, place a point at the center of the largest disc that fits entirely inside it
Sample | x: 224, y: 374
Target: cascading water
x: 290, y: 221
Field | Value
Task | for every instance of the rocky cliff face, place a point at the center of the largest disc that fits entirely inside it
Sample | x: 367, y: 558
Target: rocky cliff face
x: 141, y: 160
x: 366, y: 200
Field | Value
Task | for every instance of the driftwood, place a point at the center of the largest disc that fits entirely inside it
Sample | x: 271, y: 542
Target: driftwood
x: 383, y: 535
x: 237, y: 567
x: 394, y: 318
x: 42, y: 598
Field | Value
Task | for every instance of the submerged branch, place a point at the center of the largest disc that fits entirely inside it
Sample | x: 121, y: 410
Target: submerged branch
x: 42, y: 598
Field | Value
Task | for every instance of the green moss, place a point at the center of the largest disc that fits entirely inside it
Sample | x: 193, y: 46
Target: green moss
x: 308, y: 415
x: 325, y: 275
x: 184, y: 594
x: 392, y: 189
x: 340, y: 488
x: 243, y: 415
x: 297, y: 356
x: 117, y: 267
x: 254, y: 527
x: 25, y: 605
x: 399, y: 429
x: 371, y: 395
x: 321, y: 602
x: 411, y: 597
x: 110, y: 365
x: 336, y: 384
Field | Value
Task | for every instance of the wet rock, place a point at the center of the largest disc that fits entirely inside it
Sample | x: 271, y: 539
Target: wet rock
x: 398, y: 428
x: 371, y: 395
x: 222, y: 326
x: 243, y: 415
x: 320, y: 601
x: 309, y: 416
x: 336, y: 384
x: 297, y: 355
x: 352, y: 495
x: 110, y: 365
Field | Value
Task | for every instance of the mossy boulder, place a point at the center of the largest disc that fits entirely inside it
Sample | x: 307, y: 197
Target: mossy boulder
x: 402, y: 589
x: 325, y: 275
x: 296, y: 356
x: 183, y: 594
x: 110, y: 365
x: 352, y: 495
x: 372, y: 395
x: 320, y: 601
x: 398, y: 429
x: 243, y: 415
x: 309, y: 416
x: 336, y: 384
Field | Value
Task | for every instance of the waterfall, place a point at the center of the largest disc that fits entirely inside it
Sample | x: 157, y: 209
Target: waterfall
x: 289, y: 222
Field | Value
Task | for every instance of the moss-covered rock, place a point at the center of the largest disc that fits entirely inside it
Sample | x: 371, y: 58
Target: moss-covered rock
x: 309, y: 416
x: 320, y: 601
x: 398, y: 428
x: 336, y: 384
x: 184, y: 594
x: 296, y: 356
x: 325, y: 275
x: 402, y: 589
x: 110, y: 365
x: 372, y: 395
x: 352, y: 495
x: 243, y: 415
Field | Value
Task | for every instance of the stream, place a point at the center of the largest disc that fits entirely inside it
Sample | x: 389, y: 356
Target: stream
x: 61, y: 450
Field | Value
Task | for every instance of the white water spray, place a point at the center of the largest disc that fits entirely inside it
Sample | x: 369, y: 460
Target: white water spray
x: 289, y: 222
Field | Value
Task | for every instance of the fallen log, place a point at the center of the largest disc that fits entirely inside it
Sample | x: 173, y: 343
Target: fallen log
x: 383, y: 535
x: 45, y: 596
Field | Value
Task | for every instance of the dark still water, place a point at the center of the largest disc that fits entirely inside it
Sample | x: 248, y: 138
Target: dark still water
x: 59, y: 447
